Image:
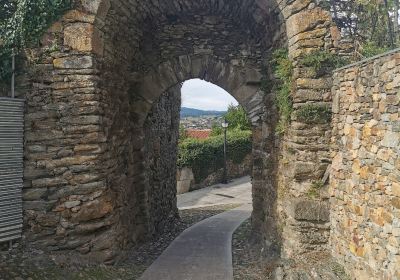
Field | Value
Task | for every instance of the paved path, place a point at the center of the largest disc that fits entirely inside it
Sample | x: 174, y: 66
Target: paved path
x: 237, y: 191
x: 202, y: 252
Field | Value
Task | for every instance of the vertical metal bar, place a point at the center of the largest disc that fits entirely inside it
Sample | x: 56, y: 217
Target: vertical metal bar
x: 225, y: 180
x: 13, y: 75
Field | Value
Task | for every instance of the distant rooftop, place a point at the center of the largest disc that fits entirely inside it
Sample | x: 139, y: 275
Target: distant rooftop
x: 198, y: 134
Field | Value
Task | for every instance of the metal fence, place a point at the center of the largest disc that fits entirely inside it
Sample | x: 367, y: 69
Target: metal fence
x: 11, y: 167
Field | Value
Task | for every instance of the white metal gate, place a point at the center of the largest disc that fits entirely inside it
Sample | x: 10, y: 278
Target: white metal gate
x: 11, y: 167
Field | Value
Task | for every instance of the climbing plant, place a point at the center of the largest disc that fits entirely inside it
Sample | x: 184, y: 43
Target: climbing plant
x: 283, y: 71
x: 22, y: 23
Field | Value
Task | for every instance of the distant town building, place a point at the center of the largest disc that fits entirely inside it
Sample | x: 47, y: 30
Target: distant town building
x: 200, y: 123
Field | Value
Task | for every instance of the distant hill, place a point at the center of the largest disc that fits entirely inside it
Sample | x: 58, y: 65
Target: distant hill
x: 190, y: 112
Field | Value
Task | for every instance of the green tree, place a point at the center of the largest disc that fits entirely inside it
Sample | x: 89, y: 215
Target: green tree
x: 237, y: 119
x: 372, y: 24
x: 216, y: 129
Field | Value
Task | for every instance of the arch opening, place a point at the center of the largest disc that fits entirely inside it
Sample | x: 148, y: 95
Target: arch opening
x: 162, y: 132
x: 216, y: 98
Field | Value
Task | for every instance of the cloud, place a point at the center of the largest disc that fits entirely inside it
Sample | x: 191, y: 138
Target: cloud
x: 199, y: 94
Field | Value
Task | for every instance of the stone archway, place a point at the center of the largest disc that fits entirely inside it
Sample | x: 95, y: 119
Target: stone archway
x: 86, y: 186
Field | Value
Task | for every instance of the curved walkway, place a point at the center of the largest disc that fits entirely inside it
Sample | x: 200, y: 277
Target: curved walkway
x: 202, y: 252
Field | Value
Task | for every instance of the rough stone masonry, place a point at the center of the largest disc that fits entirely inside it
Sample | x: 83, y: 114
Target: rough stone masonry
x: 365, y: 179
x: 92, y: 184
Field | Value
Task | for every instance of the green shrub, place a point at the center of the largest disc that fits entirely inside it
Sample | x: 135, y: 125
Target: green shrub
x: 322, y: 62
x: 283, y: 67
x: 283, y: 70
x: 207, y: 156
x: 314, y: 114
x: 371, y: 49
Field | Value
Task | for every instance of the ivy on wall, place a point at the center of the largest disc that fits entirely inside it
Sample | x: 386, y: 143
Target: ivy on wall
x: 22, y: 23
x: 207, y: 156
x: 283, y: 71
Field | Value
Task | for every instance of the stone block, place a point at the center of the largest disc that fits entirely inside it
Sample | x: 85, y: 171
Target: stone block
x: 185, y: 179
x: 83, y: 37
x: 309, y: 210
x: 396, y: 189
x: 303, y: 170
x: 305, y: 21
x: 93, y: 210
x: 391, y: 139
x: 34, y: 194
x: 73, y: 62
x: 78, y: 16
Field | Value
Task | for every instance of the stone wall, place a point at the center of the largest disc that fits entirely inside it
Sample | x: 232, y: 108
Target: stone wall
x: 365, y: 189
x: 187, y: 183
x: 86, y: 188
x: 162, y: 135
x: 185, y: 180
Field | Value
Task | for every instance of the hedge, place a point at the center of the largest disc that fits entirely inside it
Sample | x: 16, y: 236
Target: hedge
x: 205, y: 157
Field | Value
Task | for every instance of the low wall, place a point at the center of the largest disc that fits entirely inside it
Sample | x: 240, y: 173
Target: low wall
x: 186, y: 181
x: 365, y: 188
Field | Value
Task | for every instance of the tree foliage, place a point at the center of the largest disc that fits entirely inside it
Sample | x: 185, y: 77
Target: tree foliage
x: 237, y: 119
x: 372, y: 24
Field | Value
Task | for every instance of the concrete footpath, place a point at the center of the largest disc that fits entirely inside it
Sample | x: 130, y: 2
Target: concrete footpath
x: 237, y: 191
x: 201, y: 252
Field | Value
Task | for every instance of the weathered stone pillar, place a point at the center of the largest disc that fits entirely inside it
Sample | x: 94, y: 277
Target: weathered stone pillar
x: 304, y: 220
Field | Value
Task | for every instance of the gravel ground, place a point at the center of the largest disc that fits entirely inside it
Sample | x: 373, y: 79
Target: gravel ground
x: 250, y: 261
x: 34, y: 265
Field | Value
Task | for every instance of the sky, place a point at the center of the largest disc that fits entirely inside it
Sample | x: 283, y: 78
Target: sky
x: 199, y: 94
